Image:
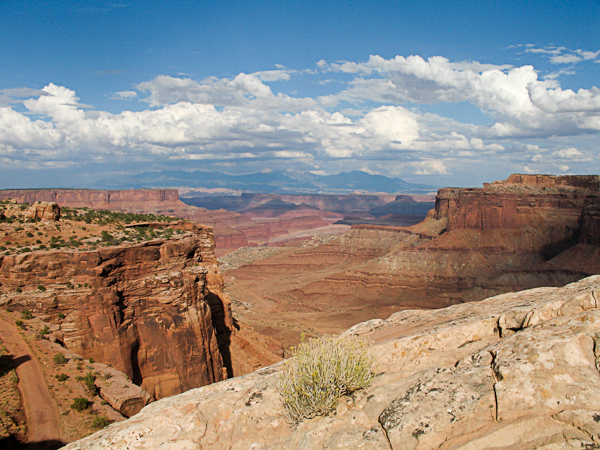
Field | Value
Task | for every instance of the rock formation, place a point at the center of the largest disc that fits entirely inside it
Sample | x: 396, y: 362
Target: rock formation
x: 43, y: 211
x: 517, y: 371
x: 155, y: 311
x: 153, y: 201
x: 232, y: 230
x: 524, y: 232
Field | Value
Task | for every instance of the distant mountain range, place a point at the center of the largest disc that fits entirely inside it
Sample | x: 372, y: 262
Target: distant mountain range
x: 271, y: 182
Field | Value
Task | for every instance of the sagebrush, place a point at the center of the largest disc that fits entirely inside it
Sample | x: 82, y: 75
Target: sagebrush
x: 321, y: 371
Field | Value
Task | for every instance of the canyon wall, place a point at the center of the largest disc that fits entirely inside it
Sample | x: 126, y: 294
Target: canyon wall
x: 144, y: 201
x: 155, y: 311
x: 518, y: 371
x: 504, y: 237
x: 232, y: 230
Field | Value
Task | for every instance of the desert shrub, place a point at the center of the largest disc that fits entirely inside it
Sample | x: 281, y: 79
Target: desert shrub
x: 59, y: 359
x: 19, y: 323
x: 41, y: 288
x: 62, y: 377
x: 89, y: 380
x: 99, y: 422
x: 80, y: 403
x: 44, y: 331
x: 26, y: 314
x: 321, y: 371
x: 61, y: 316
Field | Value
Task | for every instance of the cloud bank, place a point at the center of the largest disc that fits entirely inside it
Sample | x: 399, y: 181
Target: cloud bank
x: 378, y: 116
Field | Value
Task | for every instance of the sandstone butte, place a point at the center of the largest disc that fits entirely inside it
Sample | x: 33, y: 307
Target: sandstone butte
x: 516, y: 371
x: 155, y: 311
x: 231, y: 229
x: 524, y: 232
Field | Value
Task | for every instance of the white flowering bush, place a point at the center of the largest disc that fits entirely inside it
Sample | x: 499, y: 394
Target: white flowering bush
x: 321, y: 371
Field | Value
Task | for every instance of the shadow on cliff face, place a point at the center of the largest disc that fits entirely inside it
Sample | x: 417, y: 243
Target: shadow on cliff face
x: 223, y: 331
x: 44, y: 445
x: 553, y: 249
x: 135, y: 365
x: 12, y: 443
x: 8, y: 363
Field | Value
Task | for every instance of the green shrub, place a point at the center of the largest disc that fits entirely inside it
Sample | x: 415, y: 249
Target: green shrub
x: 62, y: 377
x: 59, y: 359
x: 90, y: 382
x: 61, y: 316
x: 80, y: 403
x: 19, y: 323
x: 321, y: 371
x: 99, y: 422
x: 44, y: 331
x: 26, y: 314
x: 41, y: 288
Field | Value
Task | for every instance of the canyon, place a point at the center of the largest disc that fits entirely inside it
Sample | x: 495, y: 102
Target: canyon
x: 516, y: 371
x: 520, y: 233
x: 155, y: 311
x: 143, y: 302
x: 232, y: 230
x: 417, y: 291
x: 248, y: 219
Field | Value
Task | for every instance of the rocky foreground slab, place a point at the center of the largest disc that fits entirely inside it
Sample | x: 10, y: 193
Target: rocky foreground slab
x: 516, y: 371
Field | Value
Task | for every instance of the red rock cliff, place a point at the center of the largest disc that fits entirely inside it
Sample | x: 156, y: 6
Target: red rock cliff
x: 155, y: 311
x: 564, y: 205
x: 155, y: 201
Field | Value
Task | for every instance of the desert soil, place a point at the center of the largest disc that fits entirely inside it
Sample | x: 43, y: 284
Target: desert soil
x: 260, y: 299
x: 43, y: 421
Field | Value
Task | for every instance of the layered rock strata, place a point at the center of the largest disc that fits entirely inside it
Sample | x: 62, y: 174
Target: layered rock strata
x: 520, y: 233
x: 48, y: 211
x: 231, y: 229
x: 517, y: 371
x: 155, y: 311
x: 154, y: 201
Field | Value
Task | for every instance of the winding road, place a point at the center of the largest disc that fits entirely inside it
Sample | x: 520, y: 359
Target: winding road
x: 43, y: 422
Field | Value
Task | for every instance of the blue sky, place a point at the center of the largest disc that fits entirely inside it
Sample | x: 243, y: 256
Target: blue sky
x: 447, y: 93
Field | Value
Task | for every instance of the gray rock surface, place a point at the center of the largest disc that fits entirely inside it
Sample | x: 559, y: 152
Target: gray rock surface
x: 516, y: 371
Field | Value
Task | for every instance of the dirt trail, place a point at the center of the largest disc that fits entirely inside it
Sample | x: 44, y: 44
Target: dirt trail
x: 43, y: 423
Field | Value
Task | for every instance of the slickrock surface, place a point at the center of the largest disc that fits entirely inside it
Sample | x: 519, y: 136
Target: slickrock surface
x: 155, y: 311
x: 516, y: 371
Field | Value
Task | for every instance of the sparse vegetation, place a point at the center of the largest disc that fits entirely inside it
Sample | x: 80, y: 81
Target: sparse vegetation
x: 62, y: 377
x: 26, y: 314
x: 89, y: 380
x: 80, y: 403
x: 99, y: 422
x: 321, y: 372
x: 59, y: 359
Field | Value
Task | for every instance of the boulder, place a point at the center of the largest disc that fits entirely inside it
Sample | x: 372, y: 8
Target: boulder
x: 119, y: 391
x: 49, y: 211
